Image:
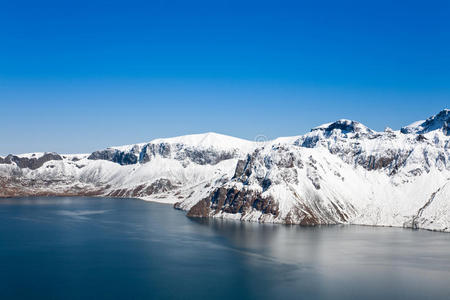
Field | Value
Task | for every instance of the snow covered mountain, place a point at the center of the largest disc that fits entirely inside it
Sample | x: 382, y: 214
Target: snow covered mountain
x: 341, y: 172
x: 164, y: 170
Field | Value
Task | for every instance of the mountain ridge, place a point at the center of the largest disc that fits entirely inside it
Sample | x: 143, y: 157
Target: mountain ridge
x: 205, y: 135
x: 339, y: 172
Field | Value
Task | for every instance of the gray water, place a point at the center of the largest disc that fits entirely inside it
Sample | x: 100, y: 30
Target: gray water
x: 85, y: 248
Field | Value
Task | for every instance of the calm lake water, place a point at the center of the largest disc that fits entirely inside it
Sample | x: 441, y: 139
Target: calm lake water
x: 94, y: 248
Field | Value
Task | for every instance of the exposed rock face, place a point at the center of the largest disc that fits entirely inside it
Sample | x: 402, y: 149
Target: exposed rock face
x: 150, y: 151
x: 207, y: 157
x: 32, y: 163
x: 341, y: 172
x: 233, y: 201
x: 120, y: 157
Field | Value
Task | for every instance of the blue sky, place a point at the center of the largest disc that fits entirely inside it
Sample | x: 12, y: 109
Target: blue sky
x: 76, y: 76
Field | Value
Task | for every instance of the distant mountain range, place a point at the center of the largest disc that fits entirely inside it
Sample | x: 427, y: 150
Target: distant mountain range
x: 341, y: 172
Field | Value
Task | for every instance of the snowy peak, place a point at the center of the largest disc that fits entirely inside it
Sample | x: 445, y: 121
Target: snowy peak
x: 208, y: 148
x: 344, y: 126
x: 208, y: 140
x: 441, y: 121
x: 342, y: 130
x: 201, y: 140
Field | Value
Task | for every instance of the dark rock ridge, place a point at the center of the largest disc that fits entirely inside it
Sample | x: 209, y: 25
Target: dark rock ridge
x: 165, y: 150
x: 234, y: 201
x: 32, y: 163
x: 345, y: 126
x: 114, y: 155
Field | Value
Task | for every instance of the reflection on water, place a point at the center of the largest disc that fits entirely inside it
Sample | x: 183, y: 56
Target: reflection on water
x: 121, y: 248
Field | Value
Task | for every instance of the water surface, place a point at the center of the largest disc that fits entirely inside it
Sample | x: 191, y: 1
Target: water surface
x: 80, y: 248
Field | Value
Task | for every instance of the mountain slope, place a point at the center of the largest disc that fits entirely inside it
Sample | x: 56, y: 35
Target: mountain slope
x: 340, y: 172
x: 162, y: 170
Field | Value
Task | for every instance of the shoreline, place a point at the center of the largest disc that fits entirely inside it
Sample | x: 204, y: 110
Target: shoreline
x: 225, y: 219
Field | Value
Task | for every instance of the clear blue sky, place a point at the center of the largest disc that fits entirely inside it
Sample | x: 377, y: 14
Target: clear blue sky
x: 76, y: 76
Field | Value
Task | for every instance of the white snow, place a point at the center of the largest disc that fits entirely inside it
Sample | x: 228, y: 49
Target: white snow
x: 375, y: 178
x: 209, y: 140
